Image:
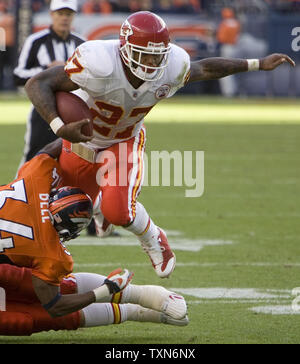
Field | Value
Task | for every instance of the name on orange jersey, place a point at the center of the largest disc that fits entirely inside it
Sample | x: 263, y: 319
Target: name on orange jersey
x: 44, y: 201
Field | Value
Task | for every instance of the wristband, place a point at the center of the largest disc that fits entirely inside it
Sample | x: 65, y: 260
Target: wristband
x: 101, y: 292
x: 56, y: 124
x: 253, y: 64
x: 50, y: 304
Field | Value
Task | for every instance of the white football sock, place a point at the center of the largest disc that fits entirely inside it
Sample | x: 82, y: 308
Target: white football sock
x: 88, y: 281
x: 141, y: 314
x: 131, y: 294
x: 146, y: 296
x: 101, y: 314
x: 156, y: 298
x: 142, y: 226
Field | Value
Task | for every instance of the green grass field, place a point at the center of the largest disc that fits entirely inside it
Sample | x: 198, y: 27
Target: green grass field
x: 237, y: 246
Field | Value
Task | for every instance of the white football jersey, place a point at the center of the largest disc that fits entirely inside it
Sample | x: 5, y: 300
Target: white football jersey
x: 118, y: 108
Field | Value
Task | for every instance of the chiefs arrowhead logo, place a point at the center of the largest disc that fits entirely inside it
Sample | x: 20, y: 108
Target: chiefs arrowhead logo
x: 126, y: 29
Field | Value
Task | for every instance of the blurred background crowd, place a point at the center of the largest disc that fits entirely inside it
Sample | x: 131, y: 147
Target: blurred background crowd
x: 165, y: 6
x: 233, y: 28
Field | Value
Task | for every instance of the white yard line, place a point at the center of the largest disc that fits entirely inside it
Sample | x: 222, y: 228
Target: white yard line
x: 268, y: 301
x: 275, y: 310
x: 236, y: 294
x: 248, y: 301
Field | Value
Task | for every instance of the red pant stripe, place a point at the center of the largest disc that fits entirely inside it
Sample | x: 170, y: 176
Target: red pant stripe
x: 117, y: 313
x: 116, y: 298
x: 140, y: 172
x: 146, y: 229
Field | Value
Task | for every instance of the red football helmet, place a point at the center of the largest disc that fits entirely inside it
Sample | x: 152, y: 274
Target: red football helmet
x: 145, y: 33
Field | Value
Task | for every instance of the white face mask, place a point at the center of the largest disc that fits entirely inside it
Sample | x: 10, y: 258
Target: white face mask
x: 132, y: 56
x: 142, y: 74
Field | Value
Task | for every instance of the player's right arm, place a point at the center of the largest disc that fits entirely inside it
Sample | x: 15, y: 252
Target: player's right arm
x: 41, y: 91
x: 55, y: 303
x: 59, y: 305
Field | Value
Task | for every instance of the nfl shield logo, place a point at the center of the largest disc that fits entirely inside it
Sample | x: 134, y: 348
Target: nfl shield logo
x: 162, y: 92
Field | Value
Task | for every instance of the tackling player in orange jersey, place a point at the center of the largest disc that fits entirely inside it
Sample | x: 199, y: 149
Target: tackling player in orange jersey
x: 22, y: 314
x: 27, y: 234
x: 121, y: 81
x: 35, y: 219
x: 30, y: 236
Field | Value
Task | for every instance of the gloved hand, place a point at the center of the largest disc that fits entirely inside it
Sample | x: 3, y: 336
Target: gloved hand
x: 117, y: 282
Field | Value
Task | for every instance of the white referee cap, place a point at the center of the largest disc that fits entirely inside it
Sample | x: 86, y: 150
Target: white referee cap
x: 63, y: 4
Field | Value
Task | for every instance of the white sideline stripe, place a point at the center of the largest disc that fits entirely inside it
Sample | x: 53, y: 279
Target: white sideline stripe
x: 248, y: 301
x: 230, y: 215
x: 190, y: 264
x: 237, y: 294
x: 184, y: 244
x: 194, y: 264
x: 275, y: 310
x: 176, y: 239
x: 280, y: 300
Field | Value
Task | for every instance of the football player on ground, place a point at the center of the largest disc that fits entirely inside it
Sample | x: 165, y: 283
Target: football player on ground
x: 22, y: 314
x: 121, y: 80
x: 36, y: 217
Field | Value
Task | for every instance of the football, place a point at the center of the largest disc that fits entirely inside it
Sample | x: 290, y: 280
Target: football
x: 72, y: 108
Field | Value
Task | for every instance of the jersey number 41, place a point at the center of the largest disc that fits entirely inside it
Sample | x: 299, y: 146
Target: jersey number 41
x: 16, y: 192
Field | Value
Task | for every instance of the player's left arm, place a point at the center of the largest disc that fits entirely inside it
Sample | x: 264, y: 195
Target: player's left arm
x: 59, y: 305
x: 218, y: 67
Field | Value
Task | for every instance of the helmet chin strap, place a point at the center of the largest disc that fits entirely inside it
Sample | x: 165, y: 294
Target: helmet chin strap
x: 65, y: 235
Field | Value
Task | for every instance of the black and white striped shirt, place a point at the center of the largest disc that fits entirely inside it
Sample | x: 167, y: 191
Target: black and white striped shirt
x: 42, y: 48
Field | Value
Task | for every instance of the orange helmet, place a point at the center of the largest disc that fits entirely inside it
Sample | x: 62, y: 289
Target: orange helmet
x: 70, y: 210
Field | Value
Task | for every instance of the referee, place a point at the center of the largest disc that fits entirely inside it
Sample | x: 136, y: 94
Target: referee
x: 47, y: 48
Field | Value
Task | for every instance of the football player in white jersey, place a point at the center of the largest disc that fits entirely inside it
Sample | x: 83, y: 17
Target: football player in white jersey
x: 121, y: 80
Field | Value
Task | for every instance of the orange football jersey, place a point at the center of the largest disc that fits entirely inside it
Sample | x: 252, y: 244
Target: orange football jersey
x: 27, y: 236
